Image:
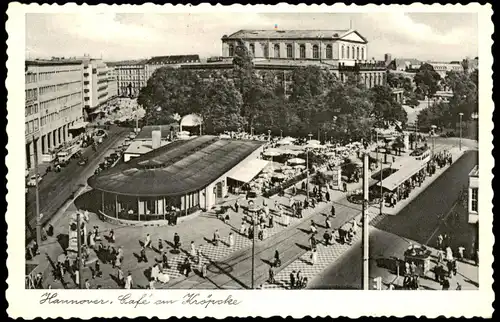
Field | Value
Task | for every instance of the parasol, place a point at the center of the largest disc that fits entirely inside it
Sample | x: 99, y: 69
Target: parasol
x: 313, y: 142
x: 300, y: 166
x: 296, y: 161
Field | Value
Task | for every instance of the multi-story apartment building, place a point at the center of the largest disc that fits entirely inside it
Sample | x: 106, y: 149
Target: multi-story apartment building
x: 112, y: 83
x: 473, y: 204
x: 133, y: 75
x: 53, y: 105
x: 95, y: 85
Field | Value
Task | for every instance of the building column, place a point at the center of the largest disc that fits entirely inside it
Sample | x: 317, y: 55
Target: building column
x: 64, y: 133
x: 44, y: 144
x: 50, y: 145
x: 38, y: 150
x: 116, y: 206
x: 59, y: 135
x: 29, y: 162
x: 54, y: 138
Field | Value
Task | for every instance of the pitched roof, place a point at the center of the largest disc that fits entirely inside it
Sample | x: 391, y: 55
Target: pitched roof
x: 146, y: 131
x: 291, y: 34
x: 176, y: 169
x: 174, y: 59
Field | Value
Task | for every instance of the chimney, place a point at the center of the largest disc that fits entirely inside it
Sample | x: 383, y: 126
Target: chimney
x: 155, y: 139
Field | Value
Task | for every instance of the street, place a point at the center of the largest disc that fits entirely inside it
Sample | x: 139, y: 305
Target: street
x: 56, y: 188
x: 417, y: 222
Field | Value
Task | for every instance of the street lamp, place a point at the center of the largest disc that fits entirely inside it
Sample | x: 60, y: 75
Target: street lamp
x: 307, y: 166
x: 281, y: 133
x: 433, y: 133
x: 460, y: 142
x: 251, y: 131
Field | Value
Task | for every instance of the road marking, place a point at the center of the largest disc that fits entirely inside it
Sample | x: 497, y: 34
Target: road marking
x: 441, y: 219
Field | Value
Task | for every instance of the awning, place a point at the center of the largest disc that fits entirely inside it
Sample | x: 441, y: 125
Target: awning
x: 403, y: 174
x: 97, y: 111
x: 78, y: 125
x: 249, y: 170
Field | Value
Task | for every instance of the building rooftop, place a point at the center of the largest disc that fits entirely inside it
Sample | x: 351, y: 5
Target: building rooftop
x: 174, y: 59
x: 474, y: 172
x: 146, y: 131
x: 175, y: 169
x: 290, y: 34
x: 57, y: 61
x: 142, y: 146
x: 127, y: 62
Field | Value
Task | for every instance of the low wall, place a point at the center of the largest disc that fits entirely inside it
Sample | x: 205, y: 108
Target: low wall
x: 151, y: 223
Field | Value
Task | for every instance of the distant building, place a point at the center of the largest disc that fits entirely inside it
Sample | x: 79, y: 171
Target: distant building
x: 404, y: 64
x: 442, y: 68
x: 95, y: 86
x: 53, y: 104
x: 112, y: 83
x: 342, y: 52
x: 133, y: 75
x: 387, y: 59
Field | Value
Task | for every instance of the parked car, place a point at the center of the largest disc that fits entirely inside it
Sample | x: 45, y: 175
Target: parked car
x: 83, y: 161
x: 33, y: 180
x: 132, y: 135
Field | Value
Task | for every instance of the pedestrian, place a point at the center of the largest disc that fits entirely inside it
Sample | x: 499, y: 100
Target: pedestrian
x: 129, y: 282
x: 440, y: 256
x: 243, y: 229
x: 328, y: 224
x: 277, y: 260
x: 143, y: 256
x: 292, y: 280
x: 271, y: 279
x: 344, y: 185
x: 271, y: 222
x: 165, y: 260
x: 192, y: 250
x: 236, y: 206
x: 111, y: 236
x: 120, y: 277
x: 461, y: 250
x: 445, y: 284
x: 151, y: 284
x: 186, y: 267
x: 413, y: 268
x: 147, y: 242
x: 216, y: 238
x: 327, y: 196
x: 314, y: 257
x: 87, y: 284
x: 449, y: 254
x: 313, y: 227
x: 291, y: 202
x: 440, y: 241
x: 97, y: 270
x: 77, y: 277
x: 177, y: 241
x: 332, y: 211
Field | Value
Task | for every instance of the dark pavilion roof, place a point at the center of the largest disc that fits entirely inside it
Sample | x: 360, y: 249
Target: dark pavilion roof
x: 175, y: 169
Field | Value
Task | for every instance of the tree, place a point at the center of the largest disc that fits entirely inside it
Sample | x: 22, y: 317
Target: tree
x: 427, y: 79
x: 385, y: 107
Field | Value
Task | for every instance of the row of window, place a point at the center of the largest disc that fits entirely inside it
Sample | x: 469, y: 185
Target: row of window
x: 30, y: 78
x: 30, y: 109
x: 72, y: 86
x: 133, y: 84
x: 353, y: 52
x: 130, y: 77
x: 56, y: 102
x: 52, y: 74
x: 31, y: 126
x: 474, y: 199
x: 130, y: 71
x: 31, y: 94
x: 65, y: 112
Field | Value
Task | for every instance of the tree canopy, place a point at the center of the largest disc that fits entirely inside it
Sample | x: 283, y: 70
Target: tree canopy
x: 427, y: 80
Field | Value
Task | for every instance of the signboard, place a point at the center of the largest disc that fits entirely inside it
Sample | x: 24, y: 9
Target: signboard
x: 337, y: 177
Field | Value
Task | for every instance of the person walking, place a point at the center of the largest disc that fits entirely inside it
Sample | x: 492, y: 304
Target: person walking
x: 292, y: 280
x: 328, y: 224
x: 231, y: 239
x: 327, y: 196
x: 461, y: 250
x: 87, y: 284
x: 216, y: 237
x: 344, y: 185
x: 440, y: 241
x: 271, y: 221
x: 314, y: 257
x: 277, y: 260
x: 313, y: 227
x: 143, y: 256
x: 177, y: 241
x: 97, y: 270
x: 164, y: 260
x: 271, y: 279
x: 333, y: 212
x: 129, y: 282
x: 192, y: 250
x: 236, y: 206
x: 120, y: 277
x: 147, y: 242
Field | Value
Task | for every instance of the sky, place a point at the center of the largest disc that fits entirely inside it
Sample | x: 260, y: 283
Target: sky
x: 117, y: 36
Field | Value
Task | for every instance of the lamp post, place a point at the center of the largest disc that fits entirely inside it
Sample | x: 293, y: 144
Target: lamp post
x: 253, y: 248
x: 416, y: 128
x: 433, y: 133
x: 251, y: 131
x: 460, y: 141
x: 37, y: 198
x: 366, y: 279
x: 281, y: 133
x: 269, y: 135
x: 307, y: 166
x: 381, y: 190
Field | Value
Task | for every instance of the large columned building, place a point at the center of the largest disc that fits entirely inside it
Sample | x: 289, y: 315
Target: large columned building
x: 342, y: 52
